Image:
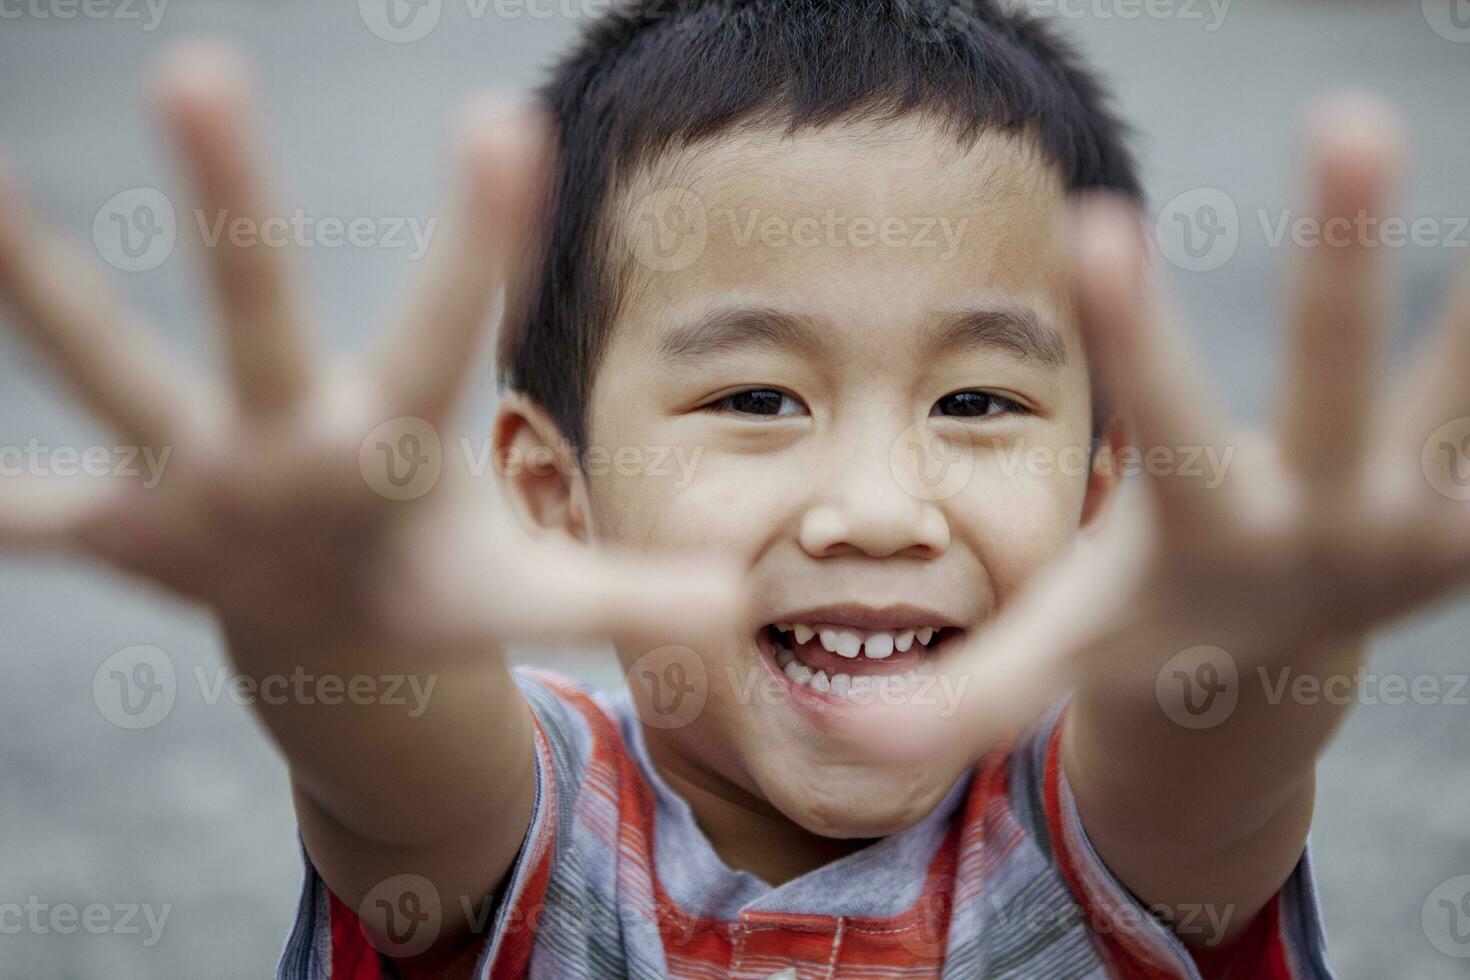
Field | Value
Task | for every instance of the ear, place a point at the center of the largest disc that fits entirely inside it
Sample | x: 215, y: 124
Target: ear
x: 537, y: 469
x: 1105, y: 475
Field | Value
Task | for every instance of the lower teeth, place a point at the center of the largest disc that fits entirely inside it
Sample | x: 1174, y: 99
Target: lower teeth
x: 861, y: 687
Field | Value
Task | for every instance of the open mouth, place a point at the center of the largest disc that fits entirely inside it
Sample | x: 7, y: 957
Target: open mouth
x: 848, y: 664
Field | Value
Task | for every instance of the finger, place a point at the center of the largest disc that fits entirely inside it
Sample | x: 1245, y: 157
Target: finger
x: 1339, y: 298
x: 61, y: 301
x: 1054, y: 634
x: 501, y: 159
x: 464, y: 589
x: 203, y: 94
x: 1147, y: 368
x: 578, y: 596
x: 39, y: 514
x: 1434, y: 384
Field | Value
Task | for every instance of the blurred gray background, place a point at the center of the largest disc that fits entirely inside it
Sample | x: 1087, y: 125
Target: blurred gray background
x: 193, y: 813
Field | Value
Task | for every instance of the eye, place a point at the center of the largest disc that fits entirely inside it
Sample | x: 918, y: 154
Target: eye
x: 763, y: 402
x: 976, y: 405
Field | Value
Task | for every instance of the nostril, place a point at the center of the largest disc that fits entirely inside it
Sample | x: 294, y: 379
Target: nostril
x: 916, y: 530
x: 822, y: 531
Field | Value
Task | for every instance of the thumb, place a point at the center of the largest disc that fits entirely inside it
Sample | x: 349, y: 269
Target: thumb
x: 569, y: 593
x: 502, y: 586
x: 985, y: 698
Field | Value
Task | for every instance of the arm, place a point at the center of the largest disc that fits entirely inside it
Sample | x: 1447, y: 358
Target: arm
x: 281, y: 508
x: 1347, y: 517
x: 1190, y: 818
x: 1190, y: 810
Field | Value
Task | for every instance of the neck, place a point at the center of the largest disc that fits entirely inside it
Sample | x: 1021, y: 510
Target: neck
x: 746, y: 832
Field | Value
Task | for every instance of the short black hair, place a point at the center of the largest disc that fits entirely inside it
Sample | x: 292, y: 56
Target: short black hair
x: 654, y: 76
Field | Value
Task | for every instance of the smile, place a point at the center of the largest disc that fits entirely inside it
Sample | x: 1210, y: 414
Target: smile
x: 843, y: 663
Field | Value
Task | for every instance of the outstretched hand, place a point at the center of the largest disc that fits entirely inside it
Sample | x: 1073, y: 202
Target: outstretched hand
x: 278, y: 507
x: 1343, y: 517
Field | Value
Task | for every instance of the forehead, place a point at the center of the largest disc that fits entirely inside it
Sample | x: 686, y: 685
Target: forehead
x: 874, y: 225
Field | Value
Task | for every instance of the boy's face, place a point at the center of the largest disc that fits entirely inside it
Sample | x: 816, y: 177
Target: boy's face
x: 846, y: 359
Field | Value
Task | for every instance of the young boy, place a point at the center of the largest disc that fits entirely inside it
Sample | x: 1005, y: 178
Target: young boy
x: 818, y: 252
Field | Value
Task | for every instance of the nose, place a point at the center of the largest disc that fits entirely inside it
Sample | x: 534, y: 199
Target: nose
x: 864, y: 509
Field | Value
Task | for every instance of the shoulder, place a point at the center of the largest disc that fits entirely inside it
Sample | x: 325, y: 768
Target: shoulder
x: 583, y: 736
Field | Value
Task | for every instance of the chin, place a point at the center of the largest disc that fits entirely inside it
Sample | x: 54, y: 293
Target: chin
x: 779, y: 745
x: 855, y: 800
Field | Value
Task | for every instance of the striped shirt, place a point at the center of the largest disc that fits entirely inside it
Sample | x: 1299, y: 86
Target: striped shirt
x: 615, y: 879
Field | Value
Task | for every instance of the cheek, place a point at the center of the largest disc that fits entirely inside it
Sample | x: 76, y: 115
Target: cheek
x: 697, y: 500
x: 1019, y: 514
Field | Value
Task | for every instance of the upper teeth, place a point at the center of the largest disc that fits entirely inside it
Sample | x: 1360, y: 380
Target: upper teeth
x: 846, y: 643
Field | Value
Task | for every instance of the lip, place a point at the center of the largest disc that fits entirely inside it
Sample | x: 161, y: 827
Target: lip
x: 813, y: 703
x: 858, y: 616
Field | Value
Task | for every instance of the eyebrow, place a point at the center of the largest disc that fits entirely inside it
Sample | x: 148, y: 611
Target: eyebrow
x: 728, y: 330
x: 1008, y: 326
